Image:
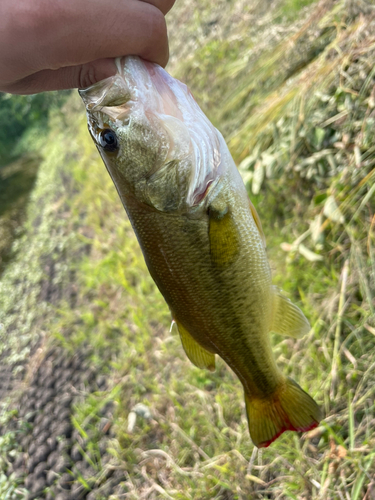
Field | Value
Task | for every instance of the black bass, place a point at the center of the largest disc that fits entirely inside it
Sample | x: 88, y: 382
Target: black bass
x: 200, y: 235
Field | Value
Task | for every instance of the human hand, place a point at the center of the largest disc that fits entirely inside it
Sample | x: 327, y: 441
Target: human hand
x: 62, y: 44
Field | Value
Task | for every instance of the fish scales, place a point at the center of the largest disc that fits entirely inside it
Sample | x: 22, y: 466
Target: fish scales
x: 186, y: 279
x: 201, y: 237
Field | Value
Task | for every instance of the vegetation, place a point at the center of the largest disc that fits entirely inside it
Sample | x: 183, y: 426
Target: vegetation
x: 294, y: 92
x: 24, y: 114
x: 24, y: 125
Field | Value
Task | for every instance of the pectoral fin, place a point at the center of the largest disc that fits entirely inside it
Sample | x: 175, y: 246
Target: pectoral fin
x: 258, y: 224
x: 287, y: 318
x: 199, y: 356
x: 223, y: 235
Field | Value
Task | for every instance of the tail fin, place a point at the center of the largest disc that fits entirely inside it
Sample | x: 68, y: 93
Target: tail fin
x: 289, y: 409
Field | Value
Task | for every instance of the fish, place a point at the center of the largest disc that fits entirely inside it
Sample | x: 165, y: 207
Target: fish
x: 201, y: 237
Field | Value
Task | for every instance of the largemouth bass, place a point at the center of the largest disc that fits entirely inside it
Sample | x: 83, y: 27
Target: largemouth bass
x: 201, y: 237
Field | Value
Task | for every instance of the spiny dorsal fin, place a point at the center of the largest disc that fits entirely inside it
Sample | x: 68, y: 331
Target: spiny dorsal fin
x: 288, y: 319
x: 258, y: 224
x: 223, y: 235
x: 199, y: 356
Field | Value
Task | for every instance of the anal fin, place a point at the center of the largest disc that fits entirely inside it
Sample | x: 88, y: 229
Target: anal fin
x: 287, y: 319
x: 199, y: 356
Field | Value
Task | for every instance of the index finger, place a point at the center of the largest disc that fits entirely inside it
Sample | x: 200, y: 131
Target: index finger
x: 125, y: 28
x: 54, y: 35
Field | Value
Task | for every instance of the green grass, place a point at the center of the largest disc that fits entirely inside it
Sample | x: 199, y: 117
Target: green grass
x: 302, y: 129
x: 291, y: 8
x: 16, y: 182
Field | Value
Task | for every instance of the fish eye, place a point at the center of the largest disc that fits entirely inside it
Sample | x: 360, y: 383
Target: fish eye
x: 108, y: 140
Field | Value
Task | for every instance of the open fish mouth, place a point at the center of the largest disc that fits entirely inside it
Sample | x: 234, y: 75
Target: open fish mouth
x: 108, y: 98
x: 138, y: 82
x: 141, y: 89
x: 109, y: 92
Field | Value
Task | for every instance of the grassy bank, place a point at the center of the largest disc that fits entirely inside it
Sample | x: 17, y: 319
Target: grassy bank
x: 293, y: 91
x: 24, y: 126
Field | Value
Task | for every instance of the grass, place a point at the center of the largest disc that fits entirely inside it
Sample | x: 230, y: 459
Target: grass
x: 302, y: 131
x: 17, y: 180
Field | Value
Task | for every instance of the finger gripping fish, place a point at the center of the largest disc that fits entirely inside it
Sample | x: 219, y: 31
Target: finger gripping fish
x: 200, y: 235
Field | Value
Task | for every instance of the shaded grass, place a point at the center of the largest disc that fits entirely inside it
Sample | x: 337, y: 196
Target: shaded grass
x: 16, y: 182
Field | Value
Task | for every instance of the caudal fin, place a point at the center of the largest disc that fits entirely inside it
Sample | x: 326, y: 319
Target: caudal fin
x: 289, y: 409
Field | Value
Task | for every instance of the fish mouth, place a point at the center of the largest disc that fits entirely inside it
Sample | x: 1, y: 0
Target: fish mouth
x: 107, y: 98
x: 109, y: 92
x: 136, y: 82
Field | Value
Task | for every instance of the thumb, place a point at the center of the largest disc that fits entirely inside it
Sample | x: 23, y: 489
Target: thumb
x: 80, y: 76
